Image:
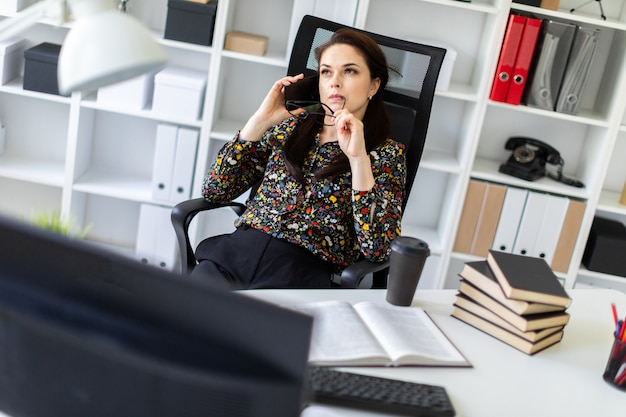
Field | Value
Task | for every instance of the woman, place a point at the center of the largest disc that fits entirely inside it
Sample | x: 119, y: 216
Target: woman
x: 332, y: 185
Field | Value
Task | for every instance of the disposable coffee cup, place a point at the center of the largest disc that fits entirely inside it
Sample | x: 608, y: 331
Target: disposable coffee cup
x: 406, y: 262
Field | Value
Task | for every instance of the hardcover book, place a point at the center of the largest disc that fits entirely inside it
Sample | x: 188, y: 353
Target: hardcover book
x: 479, y: 274
x: 473, y: 300
x: 527, y: 278
x: 511, y: 339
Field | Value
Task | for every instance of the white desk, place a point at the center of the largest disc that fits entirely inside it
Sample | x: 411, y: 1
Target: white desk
x: 563, y: 380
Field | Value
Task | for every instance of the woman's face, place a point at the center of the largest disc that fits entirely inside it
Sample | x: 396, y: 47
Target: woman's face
x: 345, y: 76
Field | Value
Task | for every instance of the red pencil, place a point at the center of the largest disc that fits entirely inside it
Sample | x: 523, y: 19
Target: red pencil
x: 614, y: 310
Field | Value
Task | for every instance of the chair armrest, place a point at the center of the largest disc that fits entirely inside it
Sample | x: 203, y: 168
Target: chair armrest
x: 182, y: 215
x: 352, y: 276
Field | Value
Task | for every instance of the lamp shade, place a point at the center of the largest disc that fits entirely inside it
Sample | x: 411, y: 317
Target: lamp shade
x: 105, y: 46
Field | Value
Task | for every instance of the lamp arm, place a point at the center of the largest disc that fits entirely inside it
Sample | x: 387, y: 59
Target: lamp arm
x: 16, y: 24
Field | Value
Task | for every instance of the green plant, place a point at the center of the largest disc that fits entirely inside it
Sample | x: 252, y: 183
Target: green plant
x: 53, y: 221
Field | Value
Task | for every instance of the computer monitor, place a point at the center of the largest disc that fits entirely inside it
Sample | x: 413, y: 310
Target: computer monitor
x: 88, y: 332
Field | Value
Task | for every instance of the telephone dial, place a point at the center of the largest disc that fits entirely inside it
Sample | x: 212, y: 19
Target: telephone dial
x: 528, y: 161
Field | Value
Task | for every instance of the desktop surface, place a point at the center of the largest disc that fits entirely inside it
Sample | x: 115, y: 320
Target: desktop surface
x: 563, y: 380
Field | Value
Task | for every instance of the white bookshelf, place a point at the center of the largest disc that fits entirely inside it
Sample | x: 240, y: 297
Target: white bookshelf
x: 93, y: 162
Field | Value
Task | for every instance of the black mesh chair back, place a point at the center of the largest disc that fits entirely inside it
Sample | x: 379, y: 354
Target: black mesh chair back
x: 409, y: 96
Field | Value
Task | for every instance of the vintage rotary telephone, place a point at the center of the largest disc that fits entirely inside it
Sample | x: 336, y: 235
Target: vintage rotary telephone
x: 528, y: 161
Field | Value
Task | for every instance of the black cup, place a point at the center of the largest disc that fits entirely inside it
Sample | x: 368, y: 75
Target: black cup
x: 406, y: 261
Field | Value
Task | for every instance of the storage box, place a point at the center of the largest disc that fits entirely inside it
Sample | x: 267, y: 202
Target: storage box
x: 246, y: 43
x: 11, y: 58
x: 15, y: 5
x: 606, y: 247
x: 179, y: 92
x: 550, y: 4
x: 133, y: 94
x: 40, y: 68
x: 190, y: 21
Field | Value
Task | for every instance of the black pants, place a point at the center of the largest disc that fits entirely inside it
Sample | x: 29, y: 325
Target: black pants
x: 248, y: 258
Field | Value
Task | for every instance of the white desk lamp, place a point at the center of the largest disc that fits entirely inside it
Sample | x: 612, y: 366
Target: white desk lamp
x: 103, y: 47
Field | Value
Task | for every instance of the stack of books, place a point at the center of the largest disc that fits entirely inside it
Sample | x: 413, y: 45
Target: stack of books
x: 514, y: 298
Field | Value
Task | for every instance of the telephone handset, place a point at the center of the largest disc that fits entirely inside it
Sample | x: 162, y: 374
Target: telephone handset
x: 528, y: 161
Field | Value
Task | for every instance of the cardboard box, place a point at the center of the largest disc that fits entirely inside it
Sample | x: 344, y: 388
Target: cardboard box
x: 11, y: 58
x: 179, y: 92
x: 550, y: 4
x: 134, y: 94
x: 190, y: 21
x: 246, y: 43
x: 606, y: 247
x: 15, y: 5
x: 40, y: 68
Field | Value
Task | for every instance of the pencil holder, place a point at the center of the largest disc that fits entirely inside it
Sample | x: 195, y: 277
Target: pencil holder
x: 615, y: 372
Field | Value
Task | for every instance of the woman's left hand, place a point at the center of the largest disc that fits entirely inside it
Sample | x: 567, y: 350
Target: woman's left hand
x: 351, y: 140
x: 350, y: 134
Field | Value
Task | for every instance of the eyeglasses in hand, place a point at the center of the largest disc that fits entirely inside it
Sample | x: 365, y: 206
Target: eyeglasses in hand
x: 320, y: 111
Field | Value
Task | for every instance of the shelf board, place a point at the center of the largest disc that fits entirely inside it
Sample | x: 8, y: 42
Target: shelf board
x: 15, y: 86
x: 270, y: 59
x: 428, y: 235
x: 609, y: 202
x: 440, y: 161
x: 593, y: 19
x: 459, y: 92
x: 583, y: 271
x: 192, y: 47
x: 487, y: 170
x: 35, y: 170
x: 585, y: 116
x: 225, y: 129
x: 473, y: 6
x: 91, y: 102
x: 117, y: 185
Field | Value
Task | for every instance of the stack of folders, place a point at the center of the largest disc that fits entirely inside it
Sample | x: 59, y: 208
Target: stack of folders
x: 521, y: 221
x: 544, y: 63
x: 516, y: 299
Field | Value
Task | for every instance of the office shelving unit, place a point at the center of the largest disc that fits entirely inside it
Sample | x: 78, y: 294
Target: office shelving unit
x: 94, y: 162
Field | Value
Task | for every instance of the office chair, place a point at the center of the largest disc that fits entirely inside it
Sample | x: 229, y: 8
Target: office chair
x: 409, y: 101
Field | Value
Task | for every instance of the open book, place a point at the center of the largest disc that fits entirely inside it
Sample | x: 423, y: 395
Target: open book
x: 371, y: 334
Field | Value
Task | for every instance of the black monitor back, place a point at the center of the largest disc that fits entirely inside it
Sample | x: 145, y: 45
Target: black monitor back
x: 87, y: 332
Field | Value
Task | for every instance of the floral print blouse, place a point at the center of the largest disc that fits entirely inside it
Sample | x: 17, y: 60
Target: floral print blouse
x: 325, y: 216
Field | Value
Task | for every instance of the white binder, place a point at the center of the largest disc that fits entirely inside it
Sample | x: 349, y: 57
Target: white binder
x: 147, y: 234
x: 182, y: 176
x: 530, y: 223
x: 163, y: 165
x: 165, y: 250
x: 508, y: 225
x: 156, y: 240
x: 550, y: 229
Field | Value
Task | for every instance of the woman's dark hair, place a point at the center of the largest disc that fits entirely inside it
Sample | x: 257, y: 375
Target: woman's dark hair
x: 376, y: 122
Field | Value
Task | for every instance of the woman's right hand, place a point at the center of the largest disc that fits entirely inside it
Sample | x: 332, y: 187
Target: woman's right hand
x: 271, y: 111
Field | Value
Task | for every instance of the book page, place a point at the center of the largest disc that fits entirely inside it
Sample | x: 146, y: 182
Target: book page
x: 340, y: 336
x: 409, y: 335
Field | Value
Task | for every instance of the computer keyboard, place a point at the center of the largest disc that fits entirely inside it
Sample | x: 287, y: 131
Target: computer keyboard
x: 330, y: 386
